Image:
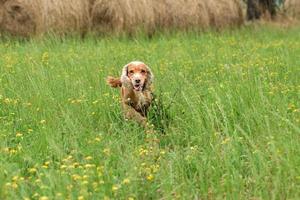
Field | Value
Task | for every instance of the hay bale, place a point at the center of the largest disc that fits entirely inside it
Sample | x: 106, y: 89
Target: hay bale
x: 224, y: 13
x: 107, y: 16
x: 292, y: 8
x: 122, y: 15
x: 19, y: 18
x: 66, y: 16
x: 1, y: 13
x: 198, y: 14
x: 130, y: 15
x: 159, y: 8
x: 181, y: 14
x: 34, y: 17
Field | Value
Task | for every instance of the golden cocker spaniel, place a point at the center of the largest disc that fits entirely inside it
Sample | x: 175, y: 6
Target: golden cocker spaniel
x: 135, y: 83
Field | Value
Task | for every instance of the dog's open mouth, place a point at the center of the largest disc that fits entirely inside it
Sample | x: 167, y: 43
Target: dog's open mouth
x: 137, y: 87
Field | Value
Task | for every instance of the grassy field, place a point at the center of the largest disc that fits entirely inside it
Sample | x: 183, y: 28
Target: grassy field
x: 230, y: 129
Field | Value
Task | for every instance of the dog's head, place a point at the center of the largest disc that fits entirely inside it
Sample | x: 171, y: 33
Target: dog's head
x: 139, y: 75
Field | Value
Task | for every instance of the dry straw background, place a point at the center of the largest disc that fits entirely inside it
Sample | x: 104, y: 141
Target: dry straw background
x: 292, y: 8
x: 31, y: 17
x: 36, y: 17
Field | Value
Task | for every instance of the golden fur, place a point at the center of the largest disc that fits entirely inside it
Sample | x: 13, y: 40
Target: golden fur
x: 136, y: 93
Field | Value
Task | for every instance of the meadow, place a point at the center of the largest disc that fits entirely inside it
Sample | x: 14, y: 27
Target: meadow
x: 226, y: 118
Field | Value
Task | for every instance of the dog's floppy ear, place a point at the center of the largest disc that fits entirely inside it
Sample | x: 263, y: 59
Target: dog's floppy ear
x: 150, y: 78
x: 124, y: 76
x: 125, y: 71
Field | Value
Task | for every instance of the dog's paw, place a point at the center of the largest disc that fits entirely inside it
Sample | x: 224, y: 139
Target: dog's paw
x: 126, y: 82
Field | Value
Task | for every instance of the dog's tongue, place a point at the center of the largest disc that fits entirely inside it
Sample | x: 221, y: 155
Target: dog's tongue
x: 137, y: 87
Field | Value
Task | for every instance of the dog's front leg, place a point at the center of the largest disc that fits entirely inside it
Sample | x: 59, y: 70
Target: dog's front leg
x: 147, y: 98
x: 132, y: 114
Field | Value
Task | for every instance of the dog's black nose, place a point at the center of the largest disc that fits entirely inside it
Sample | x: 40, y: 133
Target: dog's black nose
x: 137, y: 81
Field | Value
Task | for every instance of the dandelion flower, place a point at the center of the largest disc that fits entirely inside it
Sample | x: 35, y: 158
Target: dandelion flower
x: 126, y: 181
x: 59, y: 194
x: 14, y: 185
x: 18, y: 134
x: 7, y: 184
x: 114, y: 188
x: 88, y: 158
x: 106, y: 151
x: 80, y: 198
x: 32, y: 170
x: 150, y: 177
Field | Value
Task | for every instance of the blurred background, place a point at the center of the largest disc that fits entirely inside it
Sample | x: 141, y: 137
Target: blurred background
x: 27, y: 18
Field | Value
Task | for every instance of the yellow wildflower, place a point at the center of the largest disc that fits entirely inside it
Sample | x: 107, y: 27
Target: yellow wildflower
x: 14, y: 185
x: 80, y: 198
x: 87, y: 166
x: 106, y: 151
x: 89, y: 158
x: 63, y: 167
x: 85, y: 182
x: 76, y: 177
x: 114, y: 188
x: 8, y: 184
x: 126, y: 181
x: 32, y: 170
x: 15, y: 178
x: 59, y: 194
x: 225, y: 141
x: 150, y: 177
x: 18, y: 134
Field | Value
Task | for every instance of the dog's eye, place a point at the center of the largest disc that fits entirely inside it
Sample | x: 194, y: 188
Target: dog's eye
x: 143, y: 71
x: 131, y: 72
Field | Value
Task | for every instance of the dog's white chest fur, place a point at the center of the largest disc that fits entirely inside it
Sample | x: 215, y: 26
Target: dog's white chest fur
x: 141, y: 98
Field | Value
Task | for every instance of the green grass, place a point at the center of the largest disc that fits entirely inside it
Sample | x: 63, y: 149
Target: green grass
x: 232, y: 102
